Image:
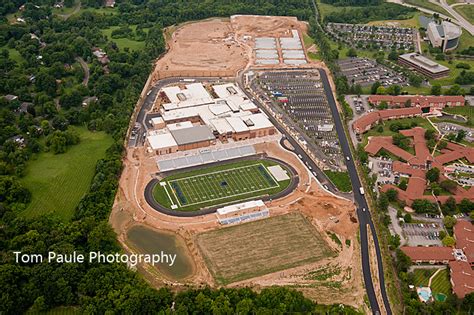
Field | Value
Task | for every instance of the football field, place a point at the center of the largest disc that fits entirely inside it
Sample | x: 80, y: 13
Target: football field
x: 218, y: 185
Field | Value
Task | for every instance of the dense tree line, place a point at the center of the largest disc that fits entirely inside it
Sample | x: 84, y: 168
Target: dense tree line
x: 48, y: 80
x: 352, y: 2
x: 385, y: 11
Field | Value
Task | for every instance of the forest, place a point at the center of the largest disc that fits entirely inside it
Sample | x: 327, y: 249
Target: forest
x: 45, y: 95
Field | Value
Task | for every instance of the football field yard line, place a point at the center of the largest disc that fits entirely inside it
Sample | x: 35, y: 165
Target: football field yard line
x: 177, y: 199
x: 168, y: 194
x: 192, y: 186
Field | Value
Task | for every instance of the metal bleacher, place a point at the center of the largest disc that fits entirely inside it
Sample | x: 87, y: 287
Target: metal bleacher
x: 205, y: 158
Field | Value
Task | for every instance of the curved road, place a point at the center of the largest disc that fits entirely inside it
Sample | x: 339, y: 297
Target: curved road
x: 363, y: 216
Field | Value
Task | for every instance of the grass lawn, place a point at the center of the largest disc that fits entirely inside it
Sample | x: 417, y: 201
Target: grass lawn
x: 326, y: 9
x: 256, y: 248
x: 58, y: 182
x: 413, y: 22
x: 340, y: 179
x: 422, y: 276
x: 124, y: 42
x: 453, y: 73
x: 428, y: 5
x: 308, y: 41
x: 467, y: 11
x: 420, y: 122
x: 219, y: 185
x: 466, y: 111
x: 465, y: 41
x: 13, y: 54
x: 441, y: 283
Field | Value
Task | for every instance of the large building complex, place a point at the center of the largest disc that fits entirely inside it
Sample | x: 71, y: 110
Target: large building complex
x: 445, y: 35
x: 366, y: 122
x: 460, y: 259
x: 428, y: 103
x: 192, y: 118
x: 423, y: 65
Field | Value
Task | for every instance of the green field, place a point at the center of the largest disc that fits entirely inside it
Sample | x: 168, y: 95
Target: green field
x: 466, y: 111
x: 428, y: 5
x: 439, y: 284
x: 218, y: 185
x: 124, y: 42
x: 467, y: 11
x: 256, y: 248
x: 413, y: 22
x: 58, y: 182
x: 340, y: 179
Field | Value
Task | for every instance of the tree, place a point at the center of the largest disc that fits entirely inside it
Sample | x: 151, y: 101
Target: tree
x: 383, y: 104
x: 392, y: 194
x: 381, y: 91
x: 351, y: 52
x: 460, y: 136
x: 393, y: 55
x: 449, y: 221
x: 382, y: 202
x: 432, y: 174
x: 436, y: 89
x: 424, y: 206
x: 374, y: 87
x: 448, y: 184
x: 448, y: 241
x: 407, y: 218
x: 430, y: 134
x: 403, y: 184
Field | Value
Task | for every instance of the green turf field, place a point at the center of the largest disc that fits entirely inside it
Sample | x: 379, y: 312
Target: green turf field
x: 58, y: 182
x: 218, y: 185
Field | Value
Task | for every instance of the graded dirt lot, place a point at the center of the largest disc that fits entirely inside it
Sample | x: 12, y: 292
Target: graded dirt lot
x: 262, y: 26
x: 260, y: 247
x: 205, y: 48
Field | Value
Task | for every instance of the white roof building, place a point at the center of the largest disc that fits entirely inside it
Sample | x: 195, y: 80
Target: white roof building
x: 180, y: 125
x: 240, y: 206
x: 161, y: 141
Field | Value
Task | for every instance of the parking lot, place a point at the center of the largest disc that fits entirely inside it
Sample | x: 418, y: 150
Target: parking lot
x: 371, y: 36
x: 382, y: 167
x: 423, y: 234
x: 301, y: 96
x: 365, y: 72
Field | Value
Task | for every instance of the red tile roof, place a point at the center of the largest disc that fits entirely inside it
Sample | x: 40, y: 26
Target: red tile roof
x: 438, y: 254
x: 462, y: 277
x: 464, y: 234
x: 361, y: 124
x: 416, y: 100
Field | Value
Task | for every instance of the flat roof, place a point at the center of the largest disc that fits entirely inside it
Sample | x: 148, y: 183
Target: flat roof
x: 161, y: 141
x: 259, y: 121
x: 192, y: 135
x: 423, y: 62
x: 237, y: 124
x: 221, y: 125
x: 240, y: 206
x: 180, y: 125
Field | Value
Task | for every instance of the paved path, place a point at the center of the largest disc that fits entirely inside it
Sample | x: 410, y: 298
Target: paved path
x: 85, y: 67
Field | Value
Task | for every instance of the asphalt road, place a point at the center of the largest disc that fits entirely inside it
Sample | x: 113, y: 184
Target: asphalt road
x: 364, y: 216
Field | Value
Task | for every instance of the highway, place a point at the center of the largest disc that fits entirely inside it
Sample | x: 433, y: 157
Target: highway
x: 364, y: 216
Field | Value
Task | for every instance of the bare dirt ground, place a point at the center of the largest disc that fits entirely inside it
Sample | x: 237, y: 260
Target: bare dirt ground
x: 216, y: 47
x: 326, y: 212
x: 205, y: 48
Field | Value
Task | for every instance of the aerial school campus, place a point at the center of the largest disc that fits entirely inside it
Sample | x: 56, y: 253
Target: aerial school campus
x: 322, y: 163
x: 238, y: 124
x: 208, y: 154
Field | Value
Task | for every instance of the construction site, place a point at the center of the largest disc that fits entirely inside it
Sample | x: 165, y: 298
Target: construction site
x: 186, y: 123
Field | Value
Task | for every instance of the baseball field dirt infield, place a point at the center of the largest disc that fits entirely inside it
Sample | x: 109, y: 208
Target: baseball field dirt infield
x: 260, y: 247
